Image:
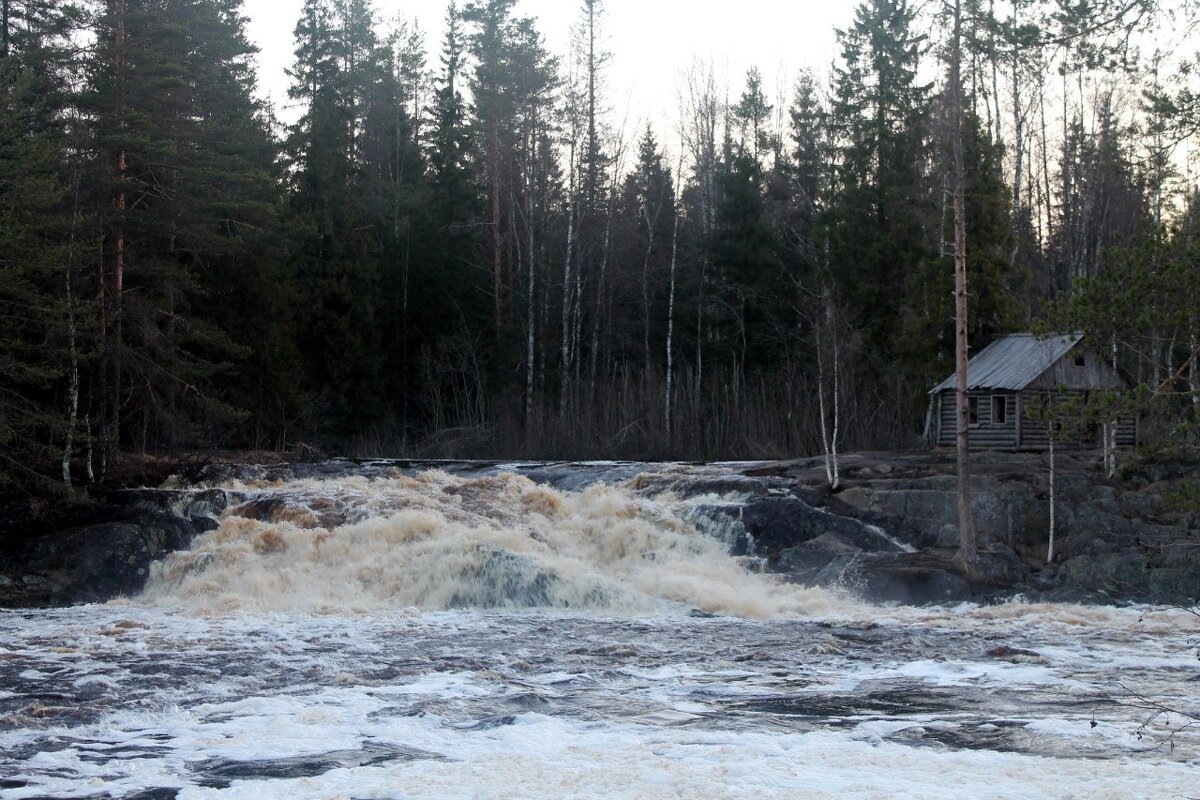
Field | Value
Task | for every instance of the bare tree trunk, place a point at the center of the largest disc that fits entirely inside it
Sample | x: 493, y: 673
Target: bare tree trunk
x: 577, y: 330
x: 651, y: 225
x: 670, y: 376
x: 120, y: 203
x: 835, y: 479
x: 87, y: 428
x: 530, y: 305
x: 699, y: 113
x: 995, y: 59
x: 1110, y: 430
x: 700, y: 322
x: 828, y: 443
x: 497, y: 241
x: 968, y: 549
x: 73, y: 387
x: 566, y: 299
x: 1048, y: 210
x: 602, y: 282
x: 1050, y: 548
x: 1018, y: 141
x: 1194, y: 375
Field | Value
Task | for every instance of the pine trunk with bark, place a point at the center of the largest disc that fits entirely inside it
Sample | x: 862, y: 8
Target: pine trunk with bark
x: 968, y: 548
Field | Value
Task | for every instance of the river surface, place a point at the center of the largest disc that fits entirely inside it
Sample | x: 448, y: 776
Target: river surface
x: 429, y: 635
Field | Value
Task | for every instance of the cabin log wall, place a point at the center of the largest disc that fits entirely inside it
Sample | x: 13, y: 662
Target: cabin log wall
x: 1018, y: 432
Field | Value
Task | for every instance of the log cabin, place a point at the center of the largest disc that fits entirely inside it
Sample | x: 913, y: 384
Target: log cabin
x: 1014, y: 373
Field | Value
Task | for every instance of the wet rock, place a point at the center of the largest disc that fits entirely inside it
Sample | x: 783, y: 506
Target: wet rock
x: 912, y: 584
x: 925, y: 578
x: 96, y: 563
x: 220, y: 773
x: 999, y: 566
x: 806, y: 560
x: 1014, y: 654
x: 206, y: 505
x: 778, y: 523
x: 1065, y: 593
x: 1120, y: 574
x: 92, y: 691
x: 948, y: 537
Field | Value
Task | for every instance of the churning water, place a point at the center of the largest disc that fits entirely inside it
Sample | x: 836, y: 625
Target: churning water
x: 436, y: 636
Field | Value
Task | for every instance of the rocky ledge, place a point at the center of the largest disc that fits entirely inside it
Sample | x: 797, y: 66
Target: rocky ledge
x: 97, y: 548
x: 889, y: 532
x: 1135, y: 537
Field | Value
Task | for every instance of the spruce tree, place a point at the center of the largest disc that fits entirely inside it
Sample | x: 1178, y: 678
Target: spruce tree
x: 42, y: 323
x: 879, y: 120
x: 396, y: 195
x: 753, y: 113
x: 338, y: 67
x: 185, y: 170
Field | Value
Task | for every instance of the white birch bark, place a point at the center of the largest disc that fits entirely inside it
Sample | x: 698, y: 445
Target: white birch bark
x: 670, y: 376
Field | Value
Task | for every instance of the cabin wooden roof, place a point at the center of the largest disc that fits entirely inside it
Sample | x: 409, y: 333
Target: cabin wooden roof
x: 1013, y: 362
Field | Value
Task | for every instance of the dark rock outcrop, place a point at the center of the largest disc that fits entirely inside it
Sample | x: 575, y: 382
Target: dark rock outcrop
x: 1115, y: 540
x: 775, y: 523
x: 108, y: 556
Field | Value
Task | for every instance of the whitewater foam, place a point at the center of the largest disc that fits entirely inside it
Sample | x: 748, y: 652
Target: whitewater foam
x: 437, y: 541
x: 493, y: 704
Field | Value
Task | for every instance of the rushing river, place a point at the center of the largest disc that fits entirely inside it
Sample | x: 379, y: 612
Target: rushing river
x: 426, y: 635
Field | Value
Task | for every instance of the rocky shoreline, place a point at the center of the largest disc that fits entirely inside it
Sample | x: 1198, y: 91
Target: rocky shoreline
x: 1134, y: 538
x: 888, y: 534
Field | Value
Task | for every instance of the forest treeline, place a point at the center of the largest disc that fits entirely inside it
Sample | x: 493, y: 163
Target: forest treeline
x: 470, y: 257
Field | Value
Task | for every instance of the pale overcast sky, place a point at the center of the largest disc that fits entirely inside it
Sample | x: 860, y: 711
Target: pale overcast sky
x: 651, y: 42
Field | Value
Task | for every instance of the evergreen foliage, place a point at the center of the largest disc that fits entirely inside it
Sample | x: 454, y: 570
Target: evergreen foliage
x: 469, y: 260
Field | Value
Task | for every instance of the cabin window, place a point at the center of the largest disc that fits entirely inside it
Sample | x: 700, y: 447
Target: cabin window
x: 999, y: 410
x: 973, y: 410
x: 1080, y: 361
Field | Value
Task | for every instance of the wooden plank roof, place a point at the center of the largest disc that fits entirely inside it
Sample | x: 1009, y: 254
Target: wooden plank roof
x: 1012, y: 362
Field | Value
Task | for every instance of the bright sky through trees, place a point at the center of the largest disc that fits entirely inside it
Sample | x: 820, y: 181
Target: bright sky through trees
x: 651, y: 41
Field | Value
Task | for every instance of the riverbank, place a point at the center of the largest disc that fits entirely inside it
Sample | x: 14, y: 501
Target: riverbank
x: 1134, y: 537
x: 889, y: 533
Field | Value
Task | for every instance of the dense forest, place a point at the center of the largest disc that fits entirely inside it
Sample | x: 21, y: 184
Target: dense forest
x: 471, y: 257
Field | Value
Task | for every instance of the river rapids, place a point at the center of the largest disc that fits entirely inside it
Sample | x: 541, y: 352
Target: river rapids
x: 422, y: 634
